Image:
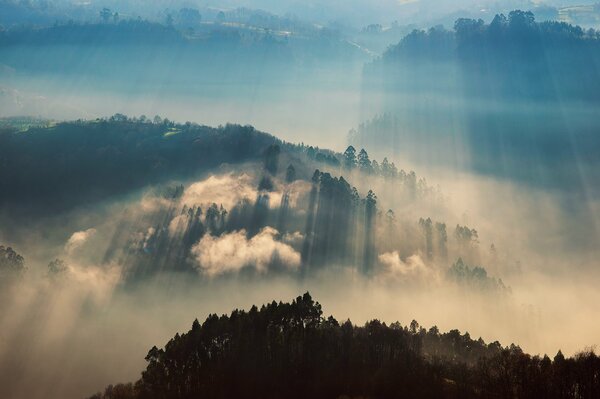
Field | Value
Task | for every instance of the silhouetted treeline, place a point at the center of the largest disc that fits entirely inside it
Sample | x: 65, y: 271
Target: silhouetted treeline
x: 50, y: 169
x: 290, y: 350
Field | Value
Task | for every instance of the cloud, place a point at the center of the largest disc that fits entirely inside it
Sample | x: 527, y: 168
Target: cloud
x: 78, y: 239
x: 295, y: 238
x: 226, y: 190
x: 229, y: 189
x: 234, y: 251
x: 412, y: 269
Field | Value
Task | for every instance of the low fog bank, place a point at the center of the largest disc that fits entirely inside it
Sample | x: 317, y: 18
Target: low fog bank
x: 320, y: 110
x: 81, y: 325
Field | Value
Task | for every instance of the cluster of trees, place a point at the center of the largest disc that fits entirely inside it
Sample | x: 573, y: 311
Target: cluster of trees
x: 351, y: 160
x: 417, y: 188
x: 518, y: 30
x: 291, y: 350
x: 12, y: 265
x: 326, y: 157
x: 475, y: 277
x: 339, y: 225
x: 436, y: 237
x: 268, y: 21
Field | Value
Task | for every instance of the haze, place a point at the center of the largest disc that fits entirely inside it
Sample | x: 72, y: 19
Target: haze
x: 161, y: 161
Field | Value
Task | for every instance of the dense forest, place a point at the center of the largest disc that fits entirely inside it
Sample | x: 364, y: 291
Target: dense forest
x: 290, y: 350
x: 54, y: 168
x: 299, y: 199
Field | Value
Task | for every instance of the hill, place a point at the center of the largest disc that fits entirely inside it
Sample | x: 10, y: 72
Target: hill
x: 290, y: 350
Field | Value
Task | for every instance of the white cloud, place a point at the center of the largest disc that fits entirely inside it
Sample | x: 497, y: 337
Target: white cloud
x: 78, y: 239
x: 226, y: 190
x: 412, y: 269
x: 234, y: 251
x: 294, y: 238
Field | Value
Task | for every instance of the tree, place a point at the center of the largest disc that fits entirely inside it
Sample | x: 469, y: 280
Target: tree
x: 498, y: 24
x: 350, y: 158
x: 364, y: 163
x: 169, y: 20
x: 106, y: 14
x: 189, y: 17
x: 427, y: 227
x: 386, y: 168
x: 467, y: 30
x: 371, y: 202
x: 519, y: 20
x: 370, y: 213
x: 376, y: 168
x: 12, y: 264
x: 465, y: 235
x: 265, y: 184
x: 442, y: 238
x: 57, y: 267
x: 212, y: 218
x: 272, y: 158
x: 290, y: 174
x: 390, y: 216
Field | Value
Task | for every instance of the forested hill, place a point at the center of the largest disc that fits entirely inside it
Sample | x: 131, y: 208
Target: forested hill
x: 158, y: 188
x: 69, y: 163
x: 512, y: 56
x: 147, y: 49
x: 512, y: 98
x: 290, y: 350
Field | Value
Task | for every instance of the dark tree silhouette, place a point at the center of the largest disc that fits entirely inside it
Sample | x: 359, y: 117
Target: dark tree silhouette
x: 272, y: 159
x: 290, y: 174
x: 350, y: 158
x: 290, y: 350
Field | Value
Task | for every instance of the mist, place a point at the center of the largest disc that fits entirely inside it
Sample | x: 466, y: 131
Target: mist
x: 399, y: 160
x: 546, y: 273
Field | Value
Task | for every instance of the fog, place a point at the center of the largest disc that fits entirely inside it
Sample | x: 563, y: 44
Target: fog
x: 130, y: 228
x: 293, y: 111
x: 92, y: 328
